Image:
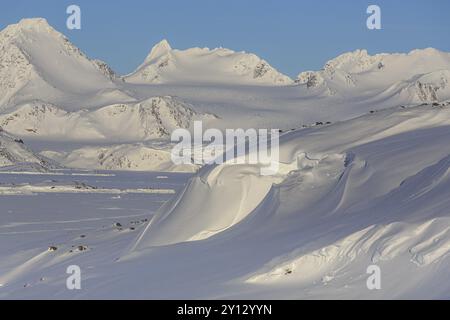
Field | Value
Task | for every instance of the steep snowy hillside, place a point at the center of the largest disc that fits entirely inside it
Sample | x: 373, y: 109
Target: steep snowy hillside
x: 312, y: 162
x: 14, y: 155
x: 37, y: 62
x: 152, y: 118
x: 202, y: 65
x: 419, y: 76
x: 372, y: 190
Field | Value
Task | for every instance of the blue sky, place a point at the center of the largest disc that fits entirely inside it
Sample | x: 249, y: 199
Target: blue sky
x: 293, y: 35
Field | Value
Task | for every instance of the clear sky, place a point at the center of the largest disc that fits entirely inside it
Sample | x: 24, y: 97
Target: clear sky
x: 293, y: 35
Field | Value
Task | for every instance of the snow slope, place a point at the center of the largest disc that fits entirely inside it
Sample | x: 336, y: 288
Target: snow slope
x: 377, y: 193
x: 202, y: 65
x: 306, y: 149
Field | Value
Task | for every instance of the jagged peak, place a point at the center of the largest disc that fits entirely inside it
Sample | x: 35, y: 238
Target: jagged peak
x: 160, y: 49
x: 359, y: 59
x: 358, y: 53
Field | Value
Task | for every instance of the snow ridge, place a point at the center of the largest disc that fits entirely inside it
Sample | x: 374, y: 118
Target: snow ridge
x: 39, y: 61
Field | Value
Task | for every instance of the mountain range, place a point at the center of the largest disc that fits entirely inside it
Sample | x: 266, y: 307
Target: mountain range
x: 51, y: 91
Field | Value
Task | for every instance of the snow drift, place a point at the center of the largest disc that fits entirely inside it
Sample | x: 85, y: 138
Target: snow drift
x: 375, y: 193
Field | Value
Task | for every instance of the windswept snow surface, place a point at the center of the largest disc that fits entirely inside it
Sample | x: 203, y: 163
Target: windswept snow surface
x: 377, y: 193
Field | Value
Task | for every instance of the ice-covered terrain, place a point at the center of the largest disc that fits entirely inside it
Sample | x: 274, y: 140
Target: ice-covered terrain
x: 86, y: 176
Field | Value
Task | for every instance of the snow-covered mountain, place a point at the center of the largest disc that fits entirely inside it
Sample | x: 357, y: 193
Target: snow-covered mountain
x: 14, y: 155
x: 203, y: 65
x: 419, y: 76
x: 37, y: 62
x: 152, y: 118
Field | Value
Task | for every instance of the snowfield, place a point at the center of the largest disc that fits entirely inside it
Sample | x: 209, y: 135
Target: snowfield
x: 86, y: 176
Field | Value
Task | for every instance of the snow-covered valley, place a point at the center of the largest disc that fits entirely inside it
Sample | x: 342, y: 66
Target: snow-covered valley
x: 87, y: 179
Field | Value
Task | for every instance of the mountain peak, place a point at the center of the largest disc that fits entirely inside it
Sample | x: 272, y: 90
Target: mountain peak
x: 160, y: 49
x: 218, y: 65
x: 351, y: 59
x: 33, y: 50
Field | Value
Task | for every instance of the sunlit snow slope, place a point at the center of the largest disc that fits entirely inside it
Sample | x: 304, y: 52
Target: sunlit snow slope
x: 373, y: 190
